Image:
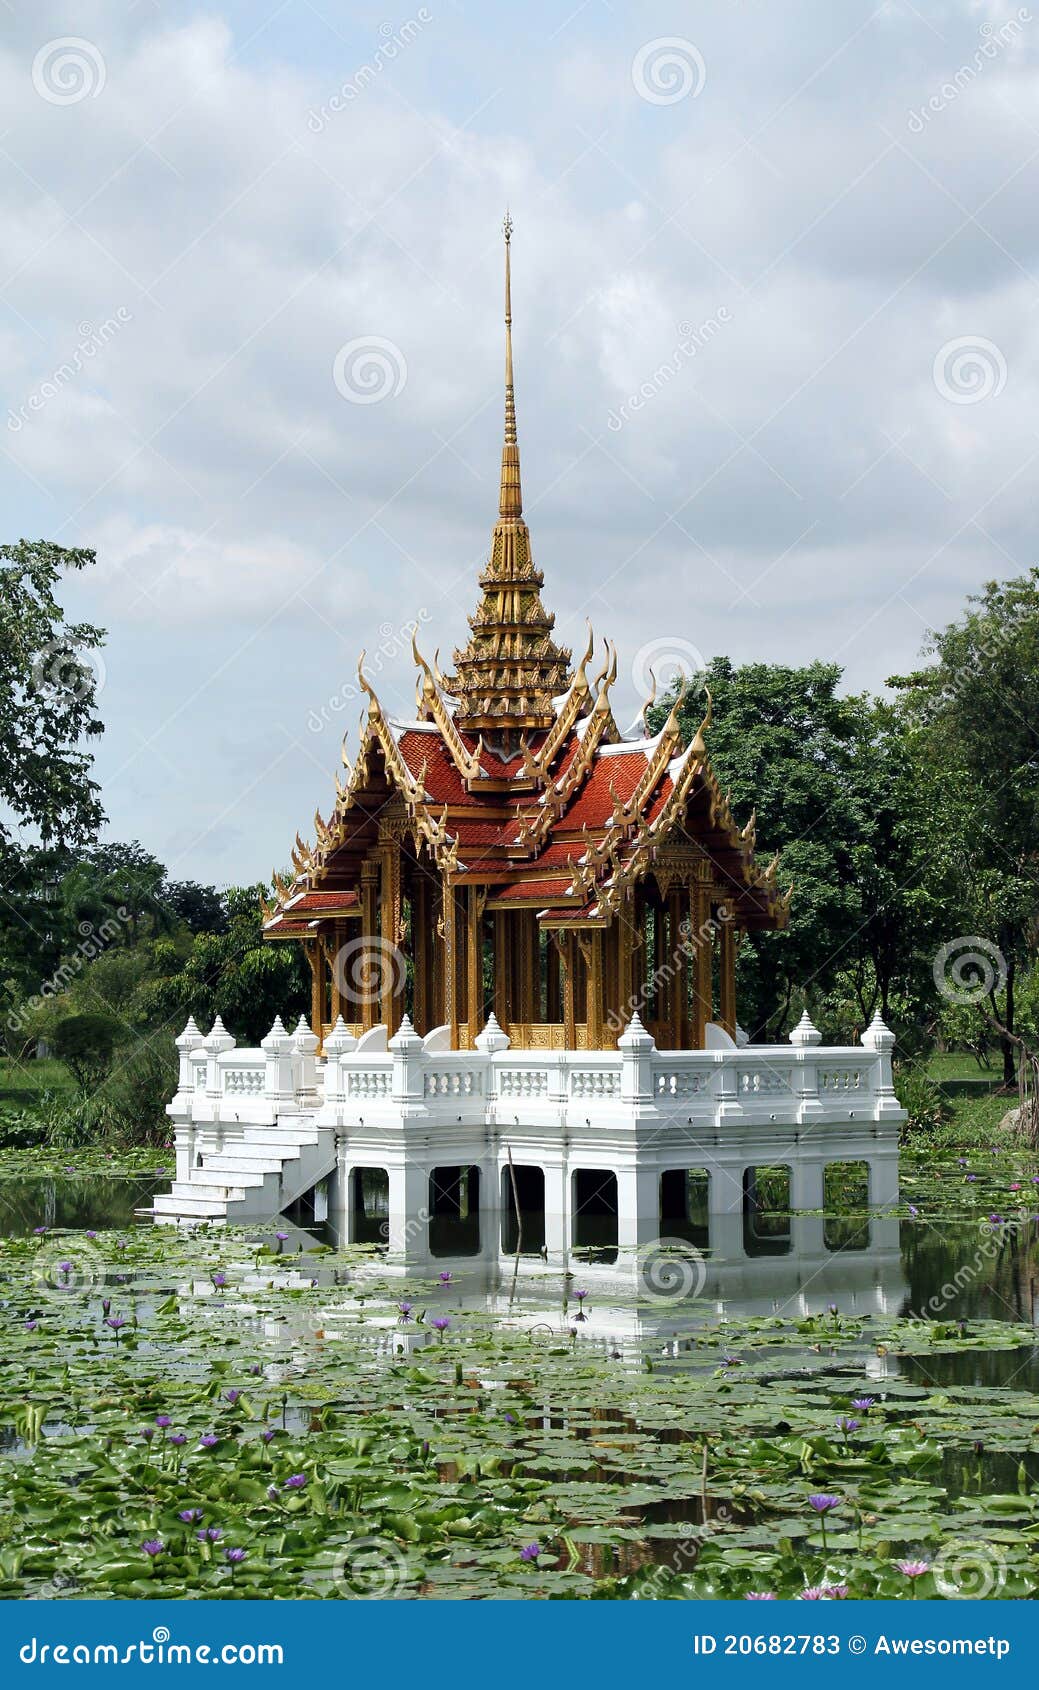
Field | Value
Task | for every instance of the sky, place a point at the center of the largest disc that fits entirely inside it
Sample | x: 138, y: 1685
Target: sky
x: 775, y: 277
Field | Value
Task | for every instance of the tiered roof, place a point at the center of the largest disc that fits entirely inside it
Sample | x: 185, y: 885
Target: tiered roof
x: 515, y: 776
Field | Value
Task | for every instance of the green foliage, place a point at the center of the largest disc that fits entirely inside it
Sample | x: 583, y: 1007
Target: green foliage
x: 47, y: 698
x: 86, y: 1044
x: 811, y: 762
x: 974, y: 721
x: 236, y: 975
x: 920, y: 1097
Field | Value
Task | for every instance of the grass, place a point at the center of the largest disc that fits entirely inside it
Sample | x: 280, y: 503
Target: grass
x: 22, y: 1084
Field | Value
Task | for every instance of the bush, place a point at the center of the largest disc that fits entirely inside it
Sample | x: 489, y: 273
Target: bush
x: 86, y: 1044
x: 131, y: 1105
x: 54, y: 1121
x: 922, y: 1100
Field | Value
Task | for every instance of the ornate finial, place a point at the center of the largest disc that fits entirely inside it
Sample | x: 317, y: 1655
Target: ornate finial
x: 511, y: 501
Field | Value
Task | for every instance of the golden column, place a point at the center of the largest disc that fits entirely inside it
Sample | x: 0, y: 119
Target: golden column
x: 449, y: 982
x: 316, y: 959
x: 502, y: 994
x: 678, y: 965
x: 474, y: 964
x: 364, y: 978
x: 700, y: 938
x: 421, y: 936
x: 727, y: 973
x: 569, y: 953
x: 332, y: 945
x: 391, y: 967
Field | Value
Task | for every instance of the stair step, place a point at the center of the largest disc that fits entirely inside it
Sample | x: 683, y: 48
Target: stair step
x: 227, y: 1163
x: 220, y: 1178
x: 201, y: 1208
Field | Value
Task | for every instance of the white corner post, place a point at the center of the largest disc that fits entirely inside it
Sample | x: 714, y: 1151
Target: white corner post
x: 277, y: 1049
x: 217, y: 1041
x: 304, y: 1044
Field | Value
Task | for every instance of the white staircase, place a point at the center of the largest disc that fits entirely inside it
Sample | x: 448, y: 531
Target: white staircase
x: 260, y: 1175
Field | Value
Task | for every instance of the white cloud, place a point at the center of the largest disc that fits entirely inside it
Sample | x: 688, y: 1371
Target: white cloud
x: 229, y: 486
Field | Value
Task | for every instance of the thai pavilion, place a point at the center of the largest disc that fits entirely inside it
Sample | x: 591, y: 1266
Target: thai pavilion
x: 521, y: 926
x: 511, y: 850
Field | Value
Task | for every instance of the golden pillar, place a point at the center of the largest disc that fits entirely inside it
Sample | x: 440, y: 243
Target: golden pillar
x: 474, y: 964
x: 727, y: 977
x: 332, y: 946
x: 421, y: 951
x: 316, y: 959
x: 527, y: 967
x: 700, y: 939
x: 449, y: 959
x: 502, y: 993
x: 569, y: 953
x: 591, y: 950
x: 362, y: 977
x: 553, y: 995
x: 391, y: 968
x: 678, y: 965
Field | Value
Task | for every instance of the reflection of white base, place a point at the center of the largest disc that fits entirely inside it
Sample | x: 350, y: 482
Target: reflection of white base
x: 258, y: 1129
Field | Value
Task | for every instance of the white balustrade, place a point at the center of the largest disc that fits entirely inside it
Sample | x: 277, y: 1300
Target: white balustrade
x: 410, y: 1079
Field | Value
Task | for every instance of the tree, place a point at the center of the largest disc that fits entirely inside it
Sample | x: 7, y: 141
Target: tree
x: 975, y: 711
x: 48, y: 692
x: 86, y: 1044
x: 200, y: 908
x: 236, y: 975
x: 785, y: 742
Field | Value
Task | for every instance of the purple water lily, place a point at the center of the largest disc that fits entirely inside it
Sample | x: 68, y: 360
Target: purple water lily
x: 219, y: 1280
x: 295, y: 1481
x: 153, y: 1546
x: 823, y: 1504
x: 178, y: 1438
x: 530, y: 1552
x: 863, y: 1404
x: 271, y: 1432
x: 232, y: 1395
x: 162, y: 1421
x: 445, y: 1278
x: 208, y: 1441
x: 190, y: 1515
x: 441, y: 1323
x: 913, y: 1569
x: 404, y: 1313
x: 210, y: 1534
x: 847, y: 1426
x: 235, y: 1556
x: 759, y: 1596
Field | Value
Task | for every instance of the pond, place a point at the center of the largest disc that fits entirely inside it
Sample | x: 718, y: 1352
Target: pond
x: 255, y: 1412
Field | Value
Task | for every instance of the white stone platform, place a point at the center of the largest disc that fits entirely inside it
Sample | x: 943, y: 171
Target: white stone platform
x: 257, y: 1129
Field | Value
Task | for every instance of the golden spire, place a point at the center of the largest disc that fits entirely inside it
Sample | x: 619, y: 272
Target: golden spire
x: 510, y: 670
x: 511, y: 501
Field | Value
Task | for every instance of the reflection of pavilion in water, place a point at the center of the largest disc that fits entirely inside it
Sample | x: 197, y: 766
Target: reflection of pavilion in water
x: 792, y: 1266
x: 637, y: 1299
